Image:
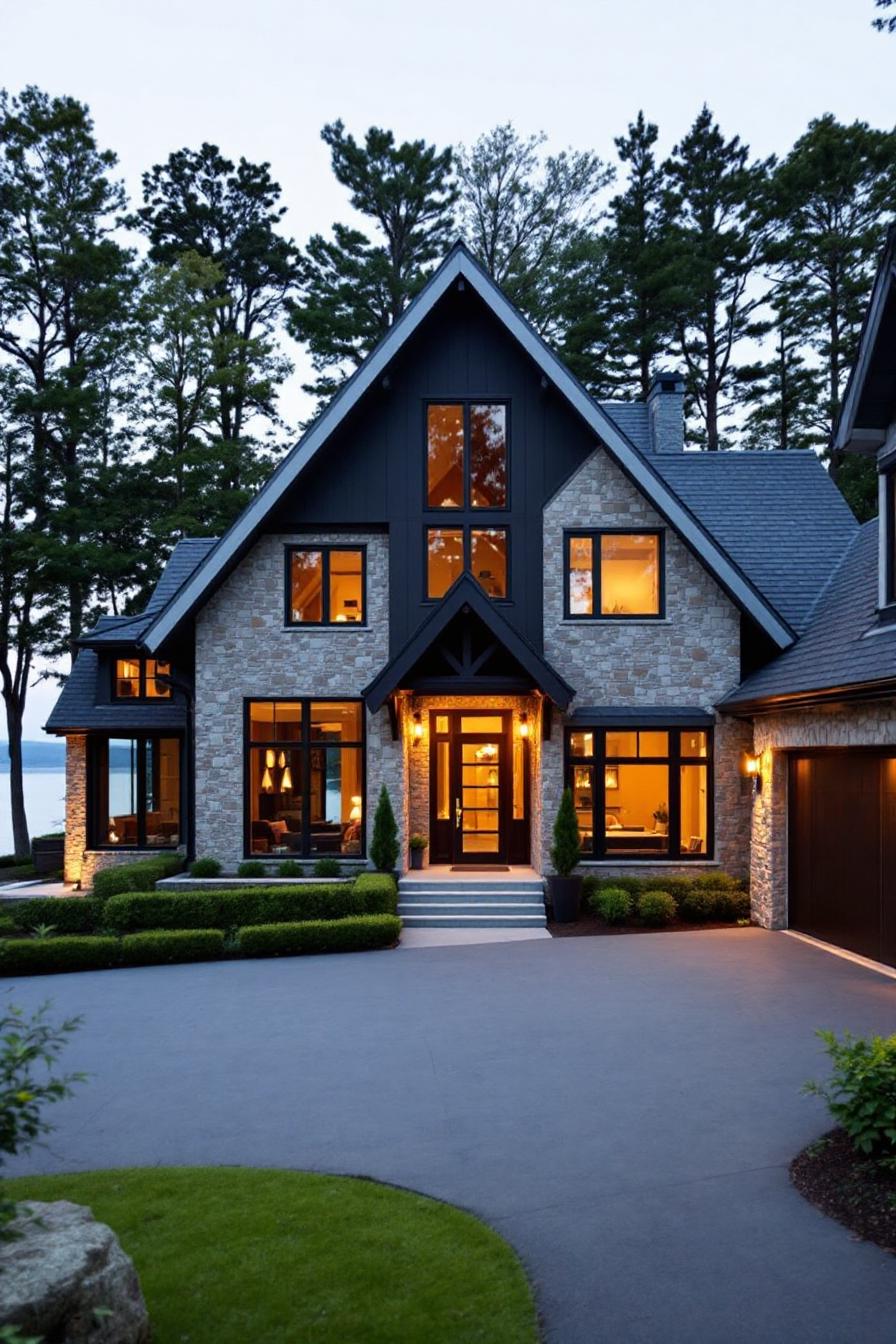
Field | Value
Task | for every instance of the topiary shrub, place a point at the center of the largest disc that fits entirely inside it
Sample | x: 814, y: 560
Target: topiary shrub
x: 248, y: 868
x: 71, y: 914
x: 566, y: 851
x: 358, y: 934
x: 30, y: 956
x: 205, y: 868
x: 377, y: 892
x: 161, y: 946
x: 657, y: 907
x: 861, y: 1094
x: 289, y: 868
x: 231, y: 907
x: 612, y: 904
x: 384, y: 843
x: 327, y: 868
x: 141, y: 875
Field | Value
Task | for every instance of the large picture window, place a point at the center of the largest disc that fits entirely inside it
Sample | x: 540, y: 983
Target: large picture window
x: 305, y: 777
x: 466, y: 455
x: 614, y: 575
x: 135, y: 792
x: 642, y: 793
x: 325, y: 585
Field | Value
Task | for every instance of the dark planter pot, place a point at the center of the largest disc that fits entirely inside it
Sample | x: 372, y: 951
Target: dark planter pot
x: 48, y: 855
x: 417, y: 858
x: 565, y: 896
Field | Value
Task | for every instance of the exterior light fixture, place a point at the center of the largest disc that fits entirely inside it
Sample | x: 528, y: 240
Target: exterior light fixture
x: 751, y: 768
x: 418, y: 729
x: 524, y: 725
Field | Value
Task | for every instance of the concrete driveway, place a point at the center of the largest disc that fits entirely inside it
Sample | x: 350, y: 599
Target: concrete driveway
x: 621, y: 1109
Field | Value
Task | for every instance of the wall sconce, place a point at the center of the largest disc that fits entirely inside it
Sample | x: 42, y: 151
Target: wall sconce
x: 418, y: 729
x: 751, y: 769
x: 524, y: 725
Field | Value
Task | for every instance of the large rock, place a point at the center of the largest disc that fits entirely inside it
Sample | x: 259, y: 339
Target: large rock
x: 62, y: 1266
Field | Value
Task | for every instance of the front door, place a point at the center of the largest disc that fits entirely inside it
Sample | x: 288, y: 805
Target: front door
x: 472, y: 788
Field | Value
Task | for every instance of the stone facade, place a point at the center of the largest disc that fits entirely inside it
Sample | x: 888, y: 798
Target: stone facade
x: 245, y: 651
x: 859, y: 725
x: 690, y: 657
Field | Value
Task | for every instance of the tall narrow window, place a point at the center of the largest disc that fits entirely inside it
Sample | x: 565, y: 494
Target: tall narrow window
x: 325, y: 585
x: 135, y: 789
x: 581, y: 576
x: 445, y: 457
x: 488, y: 559
x: 444, y: 559
x: 466, y: 455
x: 614, y: 575
x: 488, y: 457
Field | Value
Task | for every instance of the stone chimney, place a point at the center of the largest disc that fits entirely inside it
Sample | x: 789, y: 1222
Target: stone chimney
x: 665, y: 410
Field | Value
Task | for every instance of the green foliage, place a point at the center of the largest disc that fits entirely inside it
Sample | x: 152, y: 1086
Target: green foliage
x: 657, y: 907
x: 377, y: 892
x: 613, y: 904
x: 71, y: 914
x: 227, y: 909
x: 733, y: 906
x: 700, y: 904
x: 355, y: 934
x: 136, y: 876
x: 384, y: 844
x: 250, y: 868
x: 327, y: 868
x: 171, y: 945
x: 29, y: 1049
x: 566, y: 850
x: 289, y: 868
x: 70, y: 952
x: 42, y: 931
x: 861, y: 1093
x: 418, y: 842
x: 205, y: 868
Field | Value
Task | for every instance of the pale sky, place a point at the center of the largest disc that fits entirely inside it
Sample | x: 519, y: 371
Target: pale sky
x: 260, y: 80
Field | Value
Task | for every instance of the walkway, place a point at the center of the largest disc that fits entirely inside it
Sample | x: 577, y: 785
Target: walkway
x: 622, y: 1109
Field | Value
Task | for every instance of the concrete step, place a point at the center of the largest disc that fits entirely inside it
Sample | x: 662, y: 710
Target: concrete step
x: 463, y: 896
x: 474, y: 921
x: 471, y: 888
x: 470, y: 907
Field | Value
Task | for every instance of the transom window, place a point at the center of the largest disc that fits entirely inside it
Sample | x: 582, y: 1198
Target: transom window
x: 134, y: 791
x: 482, y: 551
x: 140, y: 679
x: 614, y: 575
x: 305, y: 777
x: 642, y: 793
x: 325, y: 585
x: 466, y: 455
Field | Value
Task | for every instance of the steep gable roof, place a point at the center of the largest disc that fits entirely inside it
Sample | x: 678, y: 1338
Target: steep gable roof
x: 870, y: 396
x: 460, y: 267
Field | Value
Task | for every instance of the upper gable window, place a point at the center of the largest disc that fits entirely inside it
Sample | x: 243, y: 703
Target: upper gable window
x: 614, y: 575
x: 325, y: 585
x: 466, y: 455
x: 139, y: 679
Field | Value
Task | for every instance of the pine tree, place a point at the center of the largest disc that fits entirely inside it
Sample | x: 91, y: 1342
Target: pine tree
x: 715, y: 235
x: 384, y: 842
x: 887, y: 25
x: 566, y: 850
x: 779, y: 395
x: 353, y: 287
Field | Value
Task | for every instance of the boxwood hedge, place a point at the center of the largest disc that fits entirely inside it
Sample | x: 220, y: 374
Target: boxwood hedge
x: 33, y: 956
x: 355, y: 934
x: 138, y: 876
x: 169, y: 945
x: 71, y: 914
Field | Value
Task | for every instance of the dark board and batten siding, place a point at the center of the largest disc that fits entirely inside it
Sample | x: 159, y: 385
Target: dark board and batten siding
x: 373, y: 473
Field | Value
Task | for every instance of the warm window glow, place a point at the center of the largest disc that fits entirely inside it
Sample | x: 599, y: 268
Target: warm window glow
x: 581, y: 576
x: 137, y: 783
x: 445, y: 559
x: 306, y: 587
x: 326, y: 586
x: 135, y: 679
x: 450, y: 461
x: 445, y: 457
x: 581, y: 744
x: 488, y: 559
x: 693, y: 809
x: 157, y: 690
x: 488, y: 457
x: 637, y: 810
x: 346, y: 586
x: 629, y: 575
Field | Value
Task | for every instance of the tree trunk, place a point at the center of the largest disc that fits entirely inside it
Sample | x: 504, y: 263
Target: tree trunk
x: 20, y: 836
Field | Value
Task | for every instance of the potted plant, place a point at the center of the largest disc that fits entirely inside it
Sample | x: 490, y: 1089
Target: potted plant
x: 384, y: 843
x: 661, y: 818
x: 564, y: 888
x: 417, y: 845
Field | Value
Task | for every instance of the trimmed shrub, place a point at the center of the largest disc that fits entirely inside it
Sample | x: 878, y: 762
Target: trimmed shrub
x: 205, y: 868
x: 657, y: 907
x: 248, y: 868
x: 289, y: 868
x: 141, y: 875
x: 699, y: 905
x: 7, y: 925
x: 384, y: 842
x: 861, y: 1094
x: 70, y: 914
x: 327, y: 868
x: 732, y: 905
x: 716, y: 882
x: 613, y: 904
x: 378, y: 893
x: 566, y: 851
x: 357, y: 934
x: 31, y: 956
x: 228, y: 909
x: 160, y: 946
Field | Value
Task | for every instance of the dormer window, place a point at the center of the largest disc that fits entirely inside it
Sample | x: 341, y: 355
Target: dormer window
x: 466, y: 455
x: 140, y: 679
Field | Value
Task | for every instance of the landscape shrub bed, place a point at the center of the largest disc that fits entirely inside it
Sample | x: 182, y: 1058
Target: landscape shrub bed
x: 73, y: 914
x: 229, y: 909
x: 658, y: 901
x: 171, y: 945
x: 33, y: 956
x: 138, y: 876
x: 355, y: 934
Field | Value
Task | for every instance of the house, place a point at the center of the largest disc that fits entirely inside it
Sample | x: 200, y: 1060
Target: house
x: 475, y: 585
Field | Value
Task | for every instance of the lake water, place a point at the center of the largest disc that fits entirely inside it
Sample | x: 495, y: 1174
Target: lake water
x: 44, y: 804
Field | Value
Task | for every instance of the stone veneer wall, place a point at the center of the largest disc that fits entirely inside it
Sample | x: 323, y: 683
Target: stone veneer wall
x: 859, y: 725
x: 691, y: 657
x: 244, y: 651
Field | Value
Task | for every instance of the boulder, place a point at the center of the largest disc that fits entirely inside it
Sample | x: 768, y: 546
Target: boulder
x: 61, y: 1267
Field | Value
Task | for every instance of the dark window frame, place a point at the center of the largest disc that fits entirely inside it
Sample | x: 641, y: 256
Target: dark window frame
x: 674, y: 760
x: 467, y: 509
x: 594, y: 535
x: 890, y: 537
x: 325, y: 549
x: 304, y: 746
x: 141, y: 695
x: 466, y: 531
x: 97, y: 761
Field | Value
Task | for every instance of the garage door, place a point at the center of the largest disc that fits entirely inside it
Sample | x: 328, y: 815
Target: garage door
x: 842, y: 838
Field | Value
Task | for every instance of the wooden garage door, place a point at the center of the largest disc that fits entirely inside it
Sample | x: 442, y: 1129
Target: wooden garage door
x: 842, y: 885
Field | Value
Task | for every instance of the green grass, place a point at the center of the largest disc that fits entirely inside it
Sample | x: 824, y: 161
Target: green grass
x: 232, y: 1255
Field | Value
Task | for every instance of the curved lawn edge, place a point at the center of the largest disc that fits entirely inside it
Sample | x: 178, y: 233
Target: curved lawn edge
x: 844, y: 1185
x: 227, y: 1254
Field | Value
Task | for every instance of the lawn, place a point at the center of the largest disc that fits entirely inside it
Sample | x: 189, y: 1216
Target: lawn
x: 231, y: 1255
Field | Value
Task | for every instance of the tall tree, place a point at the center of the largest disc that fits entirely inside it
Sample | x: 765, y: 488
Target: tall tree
x: 831, y: 199
x: 715, y: 236
x: 229, y: 214
x: 883, y: 25
x: 779, y: 395
x: 520, y: 211
x: 354, y: 286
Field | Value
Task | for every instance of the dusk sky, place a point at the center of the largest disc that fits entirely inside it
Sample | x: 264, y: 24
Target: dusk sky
x: 261, y: 80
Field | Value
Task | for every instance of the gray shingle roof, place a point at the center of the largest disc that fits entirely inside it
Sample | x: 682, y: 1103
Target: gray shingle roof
x: 77, y: 708
x: 632, y: 419
x: 186, y: 557
x: 836, y: 648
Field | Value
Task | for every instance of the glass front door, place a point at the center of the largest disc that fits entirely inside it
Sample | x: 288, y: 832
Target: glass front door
x: 472, y: 810
x: 481, y: 771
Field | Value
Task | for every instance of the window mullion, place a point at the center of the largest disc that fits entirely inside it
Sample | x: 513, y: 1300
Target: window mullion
x: 325, y: 585
x: 600, y: 793
x: 674, y: 794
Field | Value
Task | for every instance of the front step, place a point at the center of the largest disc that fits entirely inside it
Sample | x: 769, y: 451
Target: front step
x: 450, y: 903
